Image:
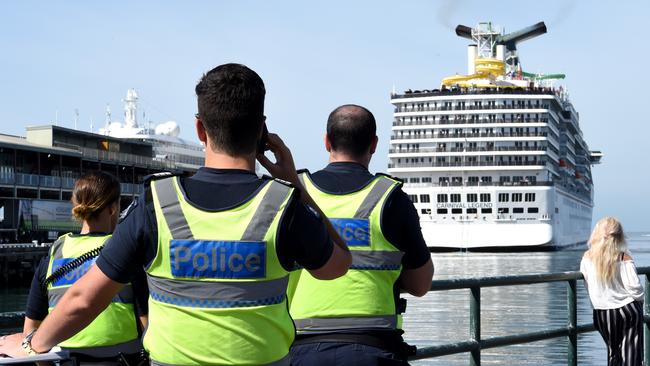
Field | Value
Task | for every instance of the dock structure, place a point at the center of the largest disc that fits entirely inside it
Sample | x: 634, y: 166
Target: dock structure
x: 18, y: 261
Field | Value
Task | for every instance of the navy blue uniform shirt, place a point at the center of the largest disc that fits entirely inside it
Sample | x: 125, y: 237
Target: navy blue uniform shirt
x: 302, y: 237
x: 400, y: 222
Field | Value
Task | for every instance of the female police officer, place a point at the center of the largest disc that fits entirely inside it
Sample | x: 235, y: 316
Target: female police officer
x: 113, y: 335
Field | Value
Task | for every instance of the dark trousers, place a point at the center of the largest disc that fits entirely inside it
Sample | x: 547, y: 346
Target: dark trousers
x: 342, y: 354
x: 622, y: 330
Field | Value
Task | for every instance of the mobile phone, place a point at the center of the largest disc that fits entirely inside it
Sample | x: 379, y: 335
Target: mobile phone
x: 261, y: 145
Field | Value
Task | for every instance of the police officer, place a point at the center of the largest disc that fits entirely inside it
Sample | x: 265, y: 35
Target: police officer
x: 114, y: 334
x: 217, y: 247
x: 354, y: 320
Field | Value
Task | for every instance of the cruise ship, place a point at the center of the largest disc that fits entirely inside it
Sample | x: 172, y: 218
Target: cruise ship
x: 494, y: 159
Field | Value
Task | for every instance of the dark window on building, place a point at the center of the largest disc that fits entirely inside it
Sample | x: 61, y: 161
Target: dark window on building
x: 471, y: 211
x: 456, y: 210
x: 414, y: 198
x: 503, y: 210
x: 517, y: 210
x: 530, y: 197
x: 503, y: 197
x: 442, y: 211
x: 455, y: 197
x: 424, y: 198
x: 485, y: 197
x: 516, y: 197
x: 533, y: 210
x: 486, y: 210
x: 472, y: 197
x: 426, y: 211
x: 442, y: 198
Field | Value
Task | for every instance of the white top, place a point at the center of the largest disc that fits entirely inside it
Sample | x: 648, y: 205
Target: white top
x: 624, y: 289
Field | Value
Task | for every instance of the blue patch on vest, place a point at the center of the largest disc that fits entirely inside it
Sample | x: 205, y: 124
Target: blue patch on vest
x: 218, y: 259
x: 72, y: 276
x: 355, y: 232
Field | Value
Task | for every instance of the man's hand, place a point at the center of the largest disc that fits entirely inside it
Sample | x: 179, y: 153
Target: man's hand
x: 284, y: 167
x: 11, y: 345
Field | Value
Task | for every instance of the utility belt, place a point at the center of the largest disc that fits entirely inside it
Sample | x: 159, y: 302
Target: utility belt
x: 391, y: 343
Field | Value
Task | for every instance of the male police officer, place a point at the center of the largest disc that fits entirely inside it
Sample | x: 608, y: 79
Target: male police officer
x: 354, y: 320
x: 217, y: 247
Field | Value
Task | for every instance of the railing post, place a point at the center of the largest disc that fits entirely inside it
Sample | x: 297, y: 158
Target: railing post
x: 475, y: 324
x: 646, y: 326
x: 572, y: 352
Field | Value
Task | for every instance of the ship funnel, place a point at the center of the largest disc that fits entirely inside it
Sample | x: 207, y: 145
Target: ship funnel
x: 464, y: 31
x: 510, y: 40
x: 472, y: 51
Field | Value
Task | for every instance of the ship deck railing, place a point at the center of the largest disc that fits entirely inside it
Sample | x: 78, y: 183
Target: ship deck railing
x: 467, y: 134
x: 475, y: 343
x: 470, y: 107
x: 477, y: 91
x: 467, y: 121
x: 447, y: 164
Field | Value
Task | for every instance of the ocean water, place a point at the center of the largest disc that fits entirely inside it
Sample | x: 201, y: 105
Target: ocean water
x: 443, y: 317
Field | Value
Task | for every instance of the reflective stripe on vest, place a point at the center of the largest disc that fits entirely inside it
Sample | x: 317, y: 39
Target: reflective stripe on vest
x: 331, y: 324
x: 125, y: 296
x: 219, y: 270
x: 330, y: 306
x: 134, y: 346
x: 217, y: 294
x: 284, y: 361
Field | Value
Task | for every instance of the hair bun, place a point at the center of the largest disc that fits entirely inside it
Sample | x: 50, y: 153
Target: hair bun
x: 82, y: 211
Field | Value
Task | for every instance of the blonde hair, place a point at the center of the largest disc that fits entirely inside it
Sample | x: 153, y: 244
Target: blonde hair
x: 606, y: 244
x: 93, y: 192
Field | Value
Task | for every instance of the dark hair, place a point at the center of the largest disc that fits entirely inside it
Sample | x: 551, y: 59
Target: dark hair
x: 351, y: 129
x: 93, y: 192
x: 231, y: 108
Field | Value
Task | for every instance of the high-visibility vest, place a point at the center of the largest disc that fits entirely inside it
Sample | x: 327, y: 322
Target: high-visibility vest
x: 115, y: 330
x: 364, y: 297
x: 217, y: 288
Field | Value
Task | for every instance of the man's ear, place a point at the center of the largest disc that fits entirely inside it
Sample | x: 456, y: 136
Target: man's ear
x: 328, y: 143
x: 200, y: 132
x: 373, y: 144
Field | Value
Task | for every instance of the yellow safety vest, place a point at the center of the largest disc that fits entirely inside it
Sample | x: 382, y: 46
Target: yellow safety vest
x: 115, y: 330
x: 363, y: 298
x: 217, y: 288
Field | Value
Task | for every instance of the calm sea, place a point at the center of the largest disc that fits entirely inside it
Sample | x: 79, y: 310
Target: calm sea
x: 443, y: 317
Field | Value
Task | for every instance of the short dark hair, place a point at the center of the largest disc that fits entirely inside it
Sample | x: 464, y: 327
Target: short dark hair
x: 231, y: 107
x: 351, y: 129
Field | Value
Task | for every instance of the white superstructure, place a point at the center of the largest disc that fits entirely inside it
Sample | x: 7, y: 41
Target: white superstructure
x: 167, y: 146
x: 494, y: 158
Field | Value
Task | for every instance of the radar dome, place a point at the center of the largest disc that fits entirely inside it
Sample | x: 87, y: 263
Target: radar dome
x: 169, y: 128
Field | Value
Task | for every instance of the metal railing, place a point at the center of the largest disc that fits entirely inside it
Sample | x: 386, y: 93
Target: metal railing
x: 475, y: 344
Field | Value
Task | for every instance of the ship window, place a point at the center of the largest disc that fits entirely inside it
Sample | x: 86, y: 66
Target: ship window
x: 516, y: 197
x: 503, y: 197
x: 486, y: 210
x: 424, y: 198
x: 530, y: 197
x: 456, y: 210
x: 485, y: 197
x: 486, y: 179
x: 455, y: 197
x: 442, y: 211
x: 504, y: 210
x: 443, y: 180
x: 531, y: 179
x: 414, y: 180
x: 471, y: 210
x: 472, y: 197
x: 426, y: 211
x: 426, y: 179
x: 442, y: 198
x: 414, y: 198
x: 472, y: 179
x: 533, y: 210
x: 504, y: 179
x: 517, y: 210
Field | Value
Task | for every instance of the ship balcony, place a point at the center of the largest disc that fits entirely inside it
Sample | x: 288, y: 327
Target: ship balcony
x: 467, y: 134
x: 476, y: 91
x: 499, y: 107
x: 479, y: 184
x: 469, y: 121
x: 453, y: 164
x: 470, y: 149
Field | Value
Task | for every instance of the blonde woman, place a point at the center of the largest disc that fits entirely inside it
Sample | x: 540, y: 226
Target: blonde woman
x: 615, y: 292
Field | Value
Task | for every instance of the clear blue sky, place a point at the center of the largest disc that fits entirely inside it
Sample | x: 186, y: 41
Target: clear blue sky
x: 313, y: 56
